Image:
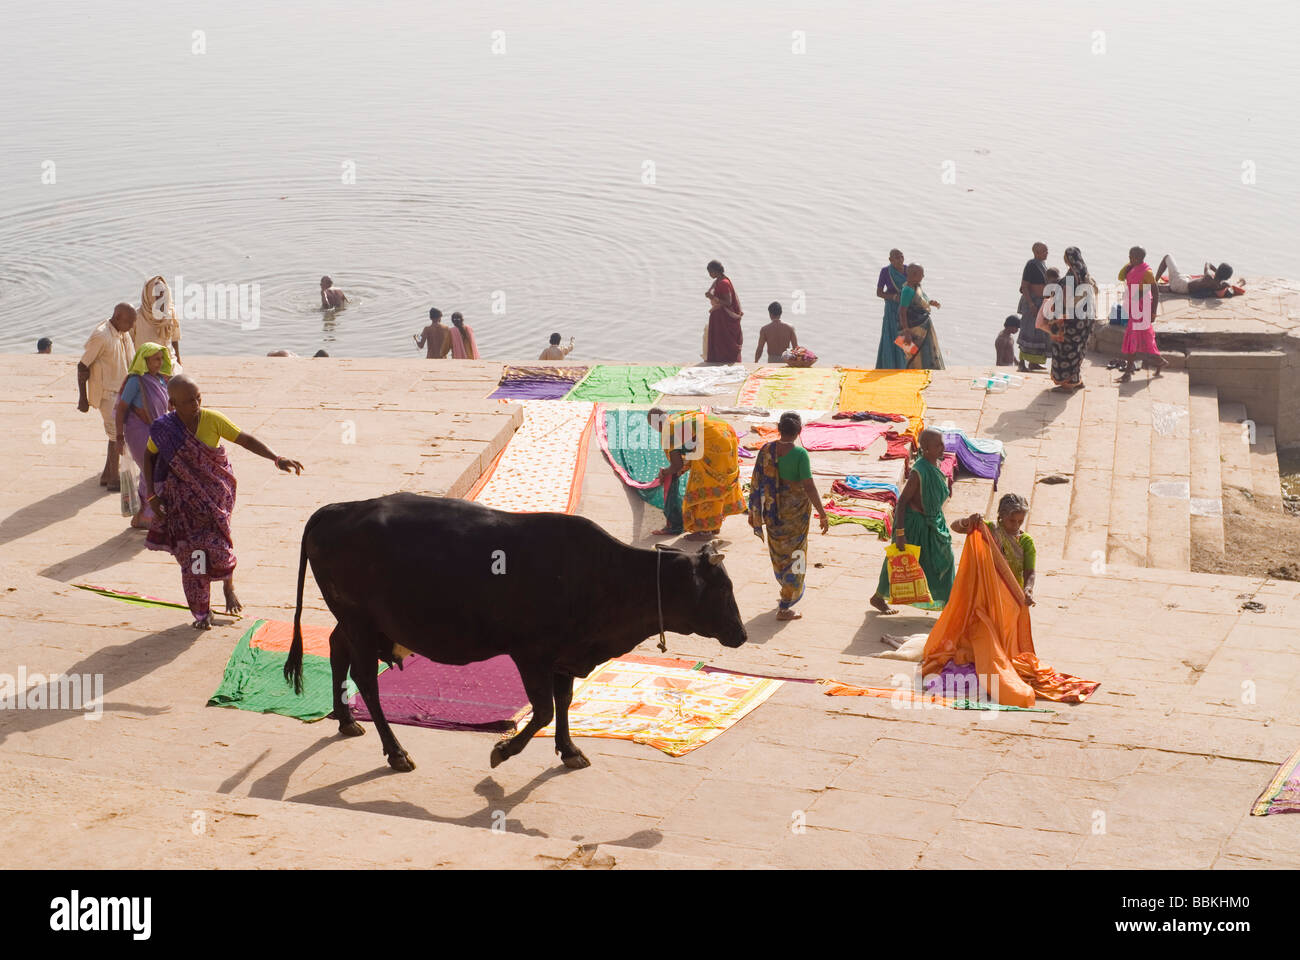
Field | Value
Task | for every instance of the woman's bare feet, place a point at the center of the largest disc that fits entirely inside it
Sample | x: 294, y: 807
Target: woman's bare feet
x: 878, y: 602
x: 702, y: 535
x: 665, y: 532
x: 788, y: 615
x: 205, y: 623
x: 1160, y: 369
x: 232, y: 602
x: 138, y: 524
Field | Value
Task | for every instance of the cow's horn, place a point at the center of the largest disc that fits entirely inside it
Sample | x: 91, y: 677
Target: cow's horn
x: 715, y: 558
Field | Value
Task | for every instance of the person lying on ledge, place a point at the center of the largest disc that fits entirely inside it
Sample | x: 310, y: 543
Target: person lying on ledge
x: 1213, y: 283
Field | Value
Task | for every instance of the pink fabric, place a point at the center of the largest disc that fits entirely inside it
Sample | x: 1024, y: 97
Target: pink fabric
x: 851, y: 435
x: 458, y: 344
x: 1140, y: 334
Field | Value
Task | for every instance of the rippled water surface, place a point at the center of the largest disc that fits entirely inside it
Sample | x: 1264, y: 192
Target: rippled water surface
x: 517, y: 181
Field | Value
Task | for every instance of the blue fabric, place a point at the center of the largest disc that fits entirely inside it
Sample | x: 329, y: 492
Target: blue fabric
x: 862, y: 483
x: 131, y: 393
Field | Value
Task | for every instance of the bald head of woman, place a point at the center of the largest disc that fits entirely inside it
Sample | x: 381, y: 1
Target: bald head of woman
x: 185, y: 396
x: 931, y: 441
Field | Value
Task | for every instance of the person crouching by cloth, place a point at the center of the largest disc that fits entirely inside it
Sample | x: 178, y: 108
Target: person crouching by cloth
x: 782, y: 498
x: 1017, y: 547
x: 191, y: 488
x: 707, y: 447
x: 919, y: 519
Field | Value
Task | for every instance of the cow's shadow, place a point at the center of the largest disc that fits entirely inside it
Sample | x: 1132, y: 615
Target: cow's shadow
x: 274, y: 785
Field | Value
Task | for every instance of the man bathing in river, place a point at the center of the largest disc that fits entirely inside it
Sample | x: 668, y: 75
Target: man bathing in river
x: 777, y: 335
x: 331, y: 297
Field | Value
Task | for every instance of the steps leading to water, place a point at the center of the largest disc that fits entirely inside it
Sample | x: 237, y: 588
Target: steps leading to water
x: 1206, y: 478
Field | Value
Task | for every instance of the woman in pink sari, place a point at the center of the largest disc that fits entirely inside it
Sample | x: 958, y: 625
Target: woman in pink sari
x: 725, y: 337
x: 463, y: 346
x: 1141, y: 297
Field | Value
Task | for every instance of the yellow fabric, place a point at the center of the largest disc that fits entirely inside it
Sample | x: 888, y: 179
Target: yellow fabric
x: 887, y: 391
x: 713, y: 483
x: 147, y: 350
x: 672, y: 709
x: 214, y: 426
x: 156, y: 321
x: 107, y: 355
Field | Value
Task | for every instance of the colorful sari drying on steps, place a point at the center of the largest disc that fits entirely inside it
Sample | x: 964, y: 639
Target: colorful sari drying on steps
x: 986, y: 622
x: 197, y: 490
x: 781, y: 506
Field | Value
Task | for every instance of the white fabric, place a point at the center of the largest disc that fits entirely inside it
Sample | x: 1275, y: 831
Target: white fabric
x: 910, y: 647
x: 702, y: 381
x: 1177, y: 282
x: 773, y: 415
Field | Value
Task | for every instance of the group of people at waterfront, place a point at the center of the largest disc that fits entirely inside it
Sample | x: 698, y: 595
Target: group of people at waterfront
x: 130, y: 374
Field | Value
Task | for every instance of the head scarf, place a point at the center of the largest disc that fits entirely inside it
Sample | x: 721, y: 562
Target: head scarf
x: 165, y: 319
x: 1075, y: 259
x: 1012, y: 503
x: 147, y: 350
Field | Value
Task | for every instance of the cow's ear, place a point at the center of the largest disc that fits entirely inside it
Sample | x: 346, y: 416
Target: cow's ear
x: 716, y: 558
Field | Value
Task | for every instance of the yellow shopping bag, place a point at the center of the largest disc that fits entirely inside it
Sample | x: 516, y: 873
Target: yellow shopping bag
x: 906, y: 578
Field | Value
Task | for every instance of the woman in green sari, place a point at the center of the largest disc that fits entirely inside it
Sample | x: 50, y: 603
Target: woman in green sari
x: 919, y: 519
x: 782, y: 498
x: 914, y: 323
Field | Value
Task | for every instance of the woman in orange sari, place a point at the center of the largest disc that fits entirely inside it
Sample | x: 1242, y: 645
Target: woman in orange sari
x: 463, y: 346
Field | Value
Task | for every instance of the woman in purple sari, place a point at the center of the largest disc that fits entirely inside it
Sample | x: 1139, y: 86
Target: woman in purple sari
x: 142, y: 399
x: 191, y: 488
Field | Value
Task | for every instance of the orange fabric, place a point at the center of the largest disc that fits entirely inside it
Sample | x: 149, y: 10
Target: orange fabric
x: 986, y: 621
x: 761, y: 435
x: 278, y: 635
x: 836, y: 689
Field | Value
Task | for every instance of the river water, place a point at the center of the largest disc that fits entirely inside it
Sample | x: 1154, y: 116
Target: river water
x: 572, y: 167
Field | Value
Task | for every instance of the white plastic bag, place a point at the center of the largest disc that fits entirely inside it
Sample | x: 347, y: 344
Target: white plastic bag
x: 129, y: 476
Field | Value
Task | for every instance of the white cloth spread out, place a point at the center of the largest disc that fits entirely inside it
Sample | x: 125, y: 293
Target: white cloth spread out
x: 702, y: 381
x: 773, y: 415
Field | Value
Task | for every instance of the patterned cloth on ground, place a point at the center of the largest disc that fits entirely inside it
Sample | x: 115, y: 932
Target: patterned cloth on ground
x: 823, y: 436
x: 538, y: 382
x: 879, y: 519
x: 673, y: 709
x: 896, y: 391
x: 986, y: 621
x: 542, y: 466
x: 254, y: 676
x: 808, y: 388
x: 477, y: 696
x: 607, y: 383
x: 903, y: 695
x: 1282, y: 795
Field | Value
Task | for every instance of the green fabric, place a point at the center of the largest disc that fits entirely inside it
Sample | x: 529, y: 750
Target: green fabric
x: 795, y: 465
x: 607, y: 383
x: 1029, y: 553
x: 981, y: 705
x: 929, y: 531
x: 637, y: 450
x: 136, y: 599
x: 254, y: 680
x: 147, y: 350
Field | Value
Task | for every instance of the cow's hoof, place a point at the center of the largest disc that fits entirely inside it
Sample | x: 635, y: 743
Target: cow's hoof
x: 351, y: 729
x: 499, y: 755
x: 577, y: 761
x: 401, y: 762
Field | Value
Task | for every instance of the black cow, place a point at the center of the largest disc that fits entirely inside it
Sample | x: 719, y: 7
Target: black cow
x: 458, y: 582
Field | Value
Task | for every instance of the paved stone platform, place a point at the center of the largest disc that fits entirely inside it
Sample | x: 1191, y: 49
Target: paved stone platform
x: 1158, y: 769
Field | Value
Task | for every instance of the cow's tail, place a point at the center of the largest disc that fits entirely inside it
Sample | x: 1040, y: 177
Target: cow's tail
x: 293, y: 663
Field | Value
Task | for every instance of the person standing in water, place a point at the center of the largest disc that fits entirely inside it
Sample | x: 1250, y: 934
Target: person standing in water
x: 331, y: 297
x: 778, y: 336
x: 555, y: 351
x: 725, y: 338
x: 435, y: 337
x: 463, y: 346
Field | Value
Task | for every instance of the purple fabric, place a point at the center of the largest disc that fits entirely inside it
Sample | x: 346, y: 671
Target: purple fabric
x: 477, y: 696
x: 960, y: 682
x: 136, y: 432
x: 985, y: 465
x: 885, y: 280
x: 168, y: 435
x: 532, y: 390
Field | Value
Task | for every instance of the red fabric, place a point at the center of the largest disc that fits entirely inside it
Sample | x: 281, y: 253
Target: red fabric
x: 840, y: 488
x: 899, y: 446
x: 725, y: 335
